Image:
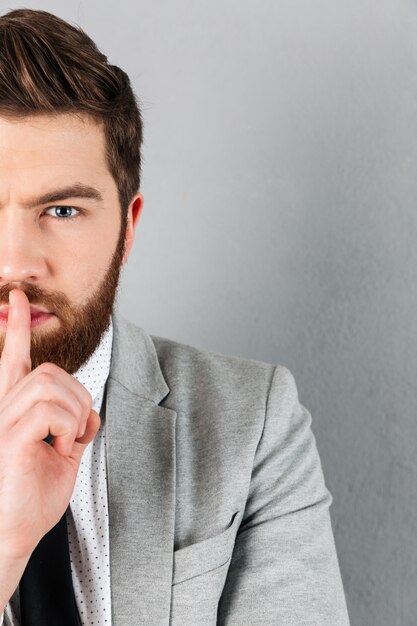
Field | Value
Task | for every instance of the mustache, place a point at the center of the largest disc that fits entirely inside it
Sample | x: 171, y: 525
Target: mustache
x: 36, y: 296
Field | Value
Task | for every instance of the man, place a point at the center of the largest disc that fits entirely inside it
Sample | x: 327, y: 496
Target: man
x: 142, y: 481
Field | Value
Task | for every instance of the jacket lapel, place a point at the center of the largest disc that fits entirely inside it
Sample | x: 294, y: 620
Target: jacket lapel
x: 140, y: 442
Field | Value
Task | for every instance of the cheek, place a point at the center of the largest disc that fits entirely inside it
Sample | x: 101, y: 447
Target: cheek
x: 89, y: 243
x: 82, y: 265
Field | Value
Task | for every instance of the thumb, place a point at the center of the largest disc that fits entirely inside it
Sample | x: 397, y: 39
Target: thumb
x: 91, y: 430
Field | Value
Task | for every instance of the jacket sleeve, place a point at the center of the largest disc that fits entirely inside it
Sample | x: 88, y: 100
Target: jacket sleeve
x: 284, y: 569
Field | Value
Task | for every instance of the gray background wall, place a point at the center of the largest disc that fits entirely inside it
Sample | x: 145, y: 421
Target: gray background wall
x: 280, y: 184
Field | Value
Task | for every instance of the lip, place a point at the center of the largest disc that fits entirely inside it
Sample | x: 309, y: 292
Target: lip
x: 35, y: 320
x: 4, y: 311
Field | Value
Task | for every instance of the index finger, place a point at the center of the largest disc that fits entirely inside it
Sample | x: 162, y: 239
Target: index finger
x: 15, y: 361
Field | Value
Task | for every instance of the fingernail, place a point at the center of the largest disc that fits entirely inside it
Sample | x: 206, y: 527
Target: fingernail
x: 11, y: 298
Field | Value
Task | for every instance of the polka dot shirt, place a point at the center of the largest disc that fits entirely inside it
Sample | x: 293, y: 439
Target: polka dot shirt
x: 87, y: 518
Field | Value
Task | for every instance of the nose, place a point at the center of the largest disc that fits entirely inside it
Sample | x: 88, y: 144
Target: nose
x: 21, y: 247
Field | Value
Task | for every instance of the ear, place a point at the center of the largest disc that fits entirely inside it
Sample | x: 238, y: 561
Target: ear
x: 133, y: 213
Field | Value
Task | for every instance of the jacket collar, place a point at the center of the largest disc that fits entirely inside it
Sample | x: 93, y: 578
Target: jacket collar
x: 136, y: 369
x: 140, y: 456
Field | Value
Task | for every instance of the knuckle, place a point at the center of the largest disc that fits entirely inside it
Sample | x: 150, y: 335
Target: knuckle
x: 72, y: 421
x: 79, y: 409
x: 88, y: 403
x: 73, y: 424
x: 85, y: 399
x: 48, y: 368
x: 43, y: 409
x: 82, y: 400
x: 45, y: 379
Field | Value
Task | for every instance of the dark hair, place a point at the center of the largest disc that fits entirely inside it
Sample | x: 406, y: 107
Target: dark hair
x: 50, y: 66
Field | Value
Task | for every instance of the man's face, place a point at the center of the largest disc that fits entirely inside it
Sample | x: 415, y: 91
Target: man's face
x: 69, y: 267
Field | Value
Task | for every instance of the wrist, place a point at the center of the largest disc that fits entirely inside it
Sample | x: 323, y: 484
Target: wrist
x: 11, y: 571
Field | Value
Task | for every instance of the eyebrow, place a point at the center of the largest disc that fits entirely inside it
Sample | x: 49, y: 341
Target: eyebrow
x: 78, y: 190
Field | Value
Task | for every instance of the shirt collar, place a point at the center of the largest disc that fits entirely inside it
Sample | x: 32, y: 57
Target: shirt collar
x: 94, y: 373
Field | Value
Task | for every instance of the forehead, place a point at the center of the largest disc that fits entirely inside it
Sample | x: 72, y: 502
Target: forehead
x: 41, y: 148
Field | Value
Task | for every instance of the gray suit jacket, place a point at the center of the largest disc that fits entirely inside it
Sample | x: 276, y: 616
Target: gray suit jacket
x: 218, y: 510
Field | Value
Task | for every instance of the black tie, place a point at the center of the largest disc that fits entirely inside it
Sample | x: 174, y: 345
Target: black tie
x: 46, y: 592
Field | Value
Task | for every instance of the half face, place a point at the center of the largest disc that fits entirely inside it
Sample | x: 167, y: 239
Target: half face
x: 62, y: 240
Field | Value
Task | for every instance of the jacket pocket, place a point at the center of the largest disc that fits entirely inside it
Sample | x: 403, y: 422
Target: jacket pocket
x: 204, y: 556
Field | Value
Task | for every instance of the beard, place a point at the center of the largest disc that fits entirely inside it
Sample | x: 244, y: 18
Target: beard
x: 81, y: 328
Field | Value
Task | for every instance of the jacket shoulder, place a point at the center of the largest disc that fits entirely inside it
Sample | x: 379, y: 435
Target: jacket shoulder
x: 192, y: 372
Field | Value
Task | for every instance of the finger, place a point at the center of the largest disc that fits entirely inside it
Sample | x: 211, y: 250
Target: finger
x: 92, y: 428
x: 45, y: 418
x: 15, y: 362
x: 43, y: 387
x: 45, y: 383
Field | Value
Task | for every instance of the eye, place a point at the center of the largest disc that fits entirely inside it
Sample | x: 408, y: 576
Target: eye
x: 65, y: 210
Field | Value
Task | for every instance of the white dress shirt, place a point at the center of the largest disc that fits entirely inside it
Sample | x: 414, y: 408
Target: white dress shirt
x: 87, y: 519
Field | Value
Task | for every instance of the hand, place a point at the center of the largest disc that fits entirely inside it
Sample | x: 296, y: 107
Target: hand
x: 37, y: 478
